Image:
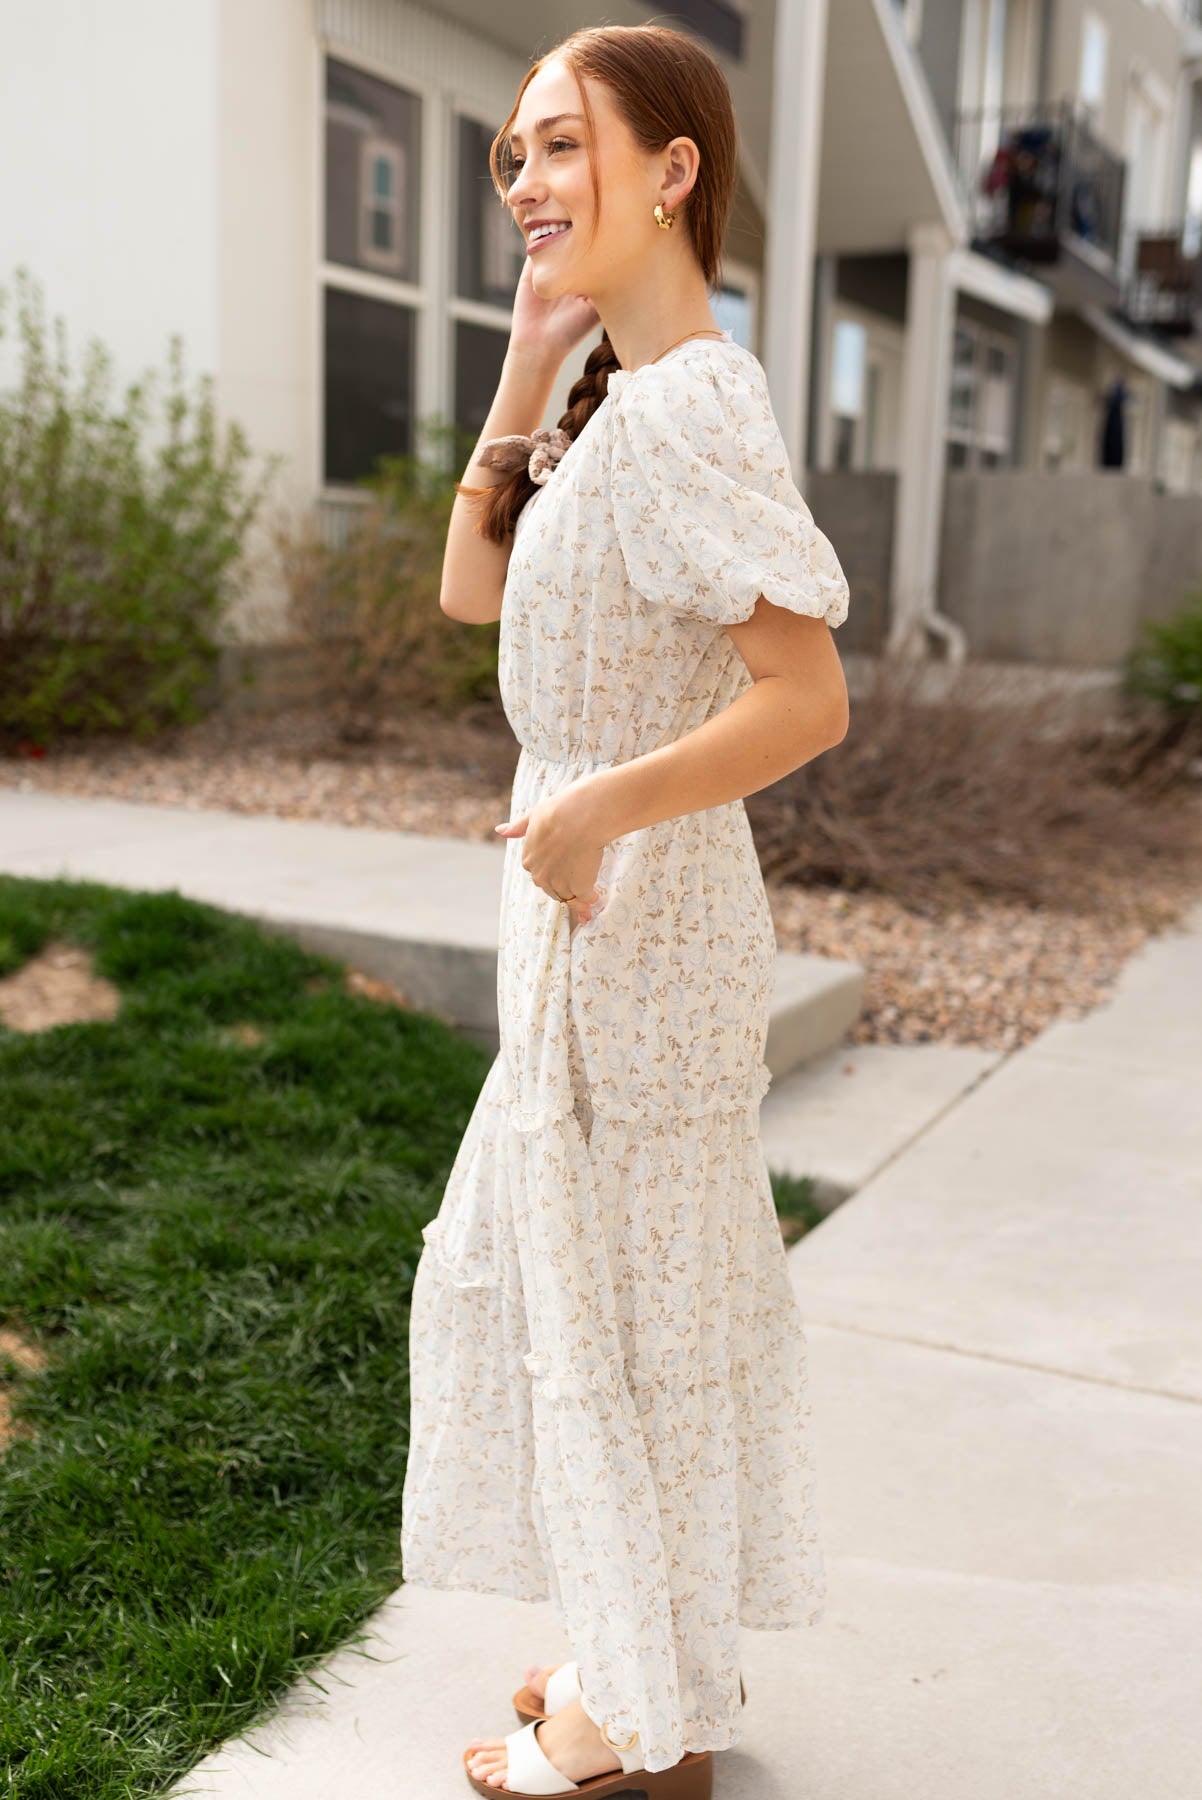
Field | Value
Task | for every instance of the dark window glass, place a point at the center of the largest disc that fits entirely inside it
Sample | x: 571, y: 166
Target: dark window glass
x: 373, y: 173
x: 491, y: 248
x: 716, y: 20
x: 479, y: 353
x: 368, y: 383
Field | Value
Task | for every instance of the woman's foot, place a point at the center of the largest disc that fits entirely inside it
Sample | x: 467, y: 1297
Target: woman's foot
x: 537, y: 1676
x: 568, y: 1739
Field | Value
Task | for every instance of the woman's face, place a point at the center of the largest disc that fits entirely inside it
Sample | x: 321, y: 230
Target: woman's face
x: 553, y: 183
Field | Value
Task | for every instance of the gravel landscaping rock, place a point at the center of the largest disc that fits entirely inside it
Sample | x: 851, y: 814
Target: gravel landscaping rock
x: 988, y: 974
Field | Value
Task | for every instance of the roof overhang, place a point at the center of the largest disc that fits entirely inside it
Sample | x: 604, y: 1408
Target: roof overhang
x: 1007, y: 289
x: 886, y: 162
x: 1154, y: 359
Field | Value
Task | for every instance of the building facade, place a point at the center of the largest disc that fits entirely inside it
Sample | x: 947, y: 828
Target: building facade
x: 964, y: 245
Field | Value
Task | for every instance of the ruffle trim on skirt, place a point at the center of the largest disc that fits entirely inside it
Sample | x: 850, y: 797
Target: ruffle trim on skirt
x: 663, y: 1497
x: 730, y: 1095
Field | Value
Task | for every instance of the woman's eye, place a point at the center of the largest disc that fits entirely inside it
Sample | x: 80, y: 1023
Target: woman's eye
x: 519, y: 161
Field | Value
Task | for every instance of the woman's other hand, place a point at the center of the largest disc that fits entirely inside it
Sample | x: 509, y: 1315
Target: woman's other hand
x: 563, y: 849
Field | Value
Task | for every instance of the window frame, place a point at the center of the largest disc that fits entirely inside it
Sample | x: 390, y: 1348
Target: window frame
x: 459, y: 309
x: 1093, y: 106
x: 971, y: 438
x: 418, y: 297
x: 371, y: 151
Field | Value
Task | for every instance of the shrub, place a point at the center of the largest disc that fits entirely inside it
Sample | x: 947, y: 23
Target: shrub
x: 943, y: 795
x: 116, y: 559
x: 368, y: 606
x: 1166, y: 664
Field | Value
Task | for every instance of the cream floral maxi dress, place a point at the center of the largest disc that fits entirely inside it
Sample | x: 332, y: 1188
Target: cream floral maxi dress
x: 609, y: 1403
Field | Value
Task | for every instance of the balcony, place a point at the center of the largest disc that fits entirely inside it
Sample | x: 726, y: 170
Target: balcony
x: 1162, y: 285
x: 1044, y: 190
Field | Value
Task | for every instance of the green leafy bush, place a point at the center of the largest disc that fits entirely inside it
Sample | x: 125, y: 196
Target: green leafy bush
x: 1166, y: 664
x: 364, y: 597
x: 117, y: 558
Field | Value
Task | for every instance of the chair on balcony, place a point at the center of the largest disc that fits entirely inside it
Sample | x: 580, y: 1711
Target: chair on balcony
x: 1168, y: 283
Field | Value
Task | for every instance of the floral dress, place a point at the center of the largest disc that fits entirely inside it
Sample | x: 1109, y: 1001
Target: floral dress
x: 608, y: 1364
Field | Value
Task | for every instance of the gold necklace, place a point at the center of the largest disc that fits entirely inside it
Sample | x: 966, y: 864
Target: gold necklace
x: 700, y: 332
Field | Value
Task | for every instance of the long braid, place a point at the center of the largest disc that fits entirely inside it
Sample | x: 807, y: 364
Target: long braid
x: 503, y: 502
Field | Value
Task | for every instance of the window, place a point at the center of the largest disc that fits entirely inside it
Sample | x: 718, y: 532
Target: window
x: 1177, y: 451
x: 1065, y: 434
x: 479, y: 354
x: 1091, y: 80
x: 372, y: 267
x: 1138, y: 416
x: 489, y: 253
x: 734, y: 307
x: 369, y: 356
x: 848, y: 359
x: 980, y: 419
x: 381, y: 185
x: 721, y: 21
x: 373, y: 175
x: 490, y: 249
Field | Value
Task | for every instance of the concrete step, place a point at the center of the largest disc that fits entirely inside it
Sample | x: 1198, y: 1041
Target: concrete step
x: 851, y: 1110
x: 420, y: 912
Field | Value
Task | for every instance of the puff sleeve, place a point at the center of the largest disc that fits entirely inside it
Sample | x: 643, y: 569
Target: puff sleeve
x: 705, y: 509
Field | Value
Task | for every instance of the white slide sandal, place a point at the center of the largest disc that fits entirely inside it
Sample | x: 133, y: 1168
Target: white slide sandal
x: 530, y: 1774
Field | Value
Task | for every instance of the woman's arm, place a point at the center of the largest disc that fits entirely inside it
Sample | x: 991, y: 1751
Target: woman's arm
x: 797, y: 708
x: 473, y: 568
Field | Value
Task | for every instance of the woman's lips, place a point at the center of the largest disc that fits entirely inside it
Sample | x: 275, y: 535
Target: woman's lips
x: 542, y: 242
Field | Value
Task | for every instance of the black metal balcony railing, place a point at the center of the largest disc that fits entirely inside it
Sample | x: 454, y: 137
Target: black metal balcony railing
x: 1162, y: 276
x: 1036, y: 177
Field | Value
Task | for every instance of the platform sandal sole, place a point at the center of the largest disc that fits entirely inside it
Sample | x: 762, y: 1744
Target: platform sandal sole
x: 692, y: 1778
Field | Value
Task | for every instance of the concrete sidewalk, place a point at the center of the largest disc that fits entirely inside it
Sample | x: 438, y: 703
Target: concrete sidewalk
x: 1005, y: 1325
x: 414, y: 909
x: 1006, y: 1370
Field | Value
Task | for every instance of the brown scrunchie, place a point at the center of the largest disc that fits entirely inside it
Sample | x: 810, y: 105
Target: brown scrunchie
x: 540, y: 451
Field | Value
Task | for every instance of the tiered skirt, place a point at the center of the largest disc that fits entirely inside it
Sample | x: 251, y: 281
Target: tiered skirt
x: 609, y: 1404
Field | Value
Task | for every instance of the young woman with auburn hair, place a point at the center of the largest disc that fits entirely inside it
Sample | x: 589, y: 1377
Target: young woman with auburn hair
x: 609, y: 1404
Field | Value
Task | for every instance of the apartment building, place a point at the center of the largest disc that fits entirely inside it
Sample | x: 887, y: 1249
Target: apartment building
x: 957, y: 223
x: 1062, y: 315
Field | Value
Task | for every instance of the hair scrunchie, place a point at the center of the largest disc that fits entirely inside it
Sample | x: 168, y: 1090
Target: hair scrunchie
x: 540, y: 451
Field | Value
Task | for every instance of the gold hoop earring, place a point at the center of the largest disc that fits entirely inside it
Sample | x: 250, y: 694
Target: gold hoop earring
x: 667, y: 220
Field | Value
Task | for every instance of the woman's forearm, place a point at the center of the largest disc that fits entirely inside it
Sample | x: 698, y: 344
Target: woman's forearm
x: 474, y: 568
x: 771, y: 729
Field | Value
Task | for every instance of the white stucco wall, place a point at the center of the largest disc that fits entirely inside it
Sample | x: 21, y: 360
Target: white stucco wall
x: 108, y: 146
x: 269, y: 106
x: 160, y: 176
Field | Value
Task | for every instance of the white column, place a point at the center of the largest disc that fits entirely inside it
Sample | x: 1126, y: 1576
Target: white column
x: 926, y: 382
x: 799, y: 67
x: 821, y: 420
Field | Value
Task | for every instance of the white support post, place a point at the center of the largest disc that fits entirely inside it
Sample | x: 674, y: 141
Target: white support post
x: 926, y: 381
x: 822, y: 435
x: 798, y: 77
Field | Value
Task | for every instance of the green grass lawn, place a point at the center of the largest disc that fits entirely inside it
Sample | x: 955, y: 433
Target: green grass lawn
x: 214, y: 1241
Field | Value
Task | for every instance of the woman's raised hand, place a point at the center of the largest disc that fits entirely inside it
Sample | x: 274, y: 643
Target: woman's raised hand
x: 552, y: 328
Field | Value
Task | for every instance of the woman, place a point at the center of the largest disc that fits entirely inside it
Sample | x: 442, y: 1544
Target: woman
x: 608, y: 1363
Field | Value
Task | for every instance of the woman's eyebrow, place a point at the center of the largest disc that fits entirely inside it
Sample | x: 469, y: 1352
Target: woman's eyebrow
x: 515, y: 137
